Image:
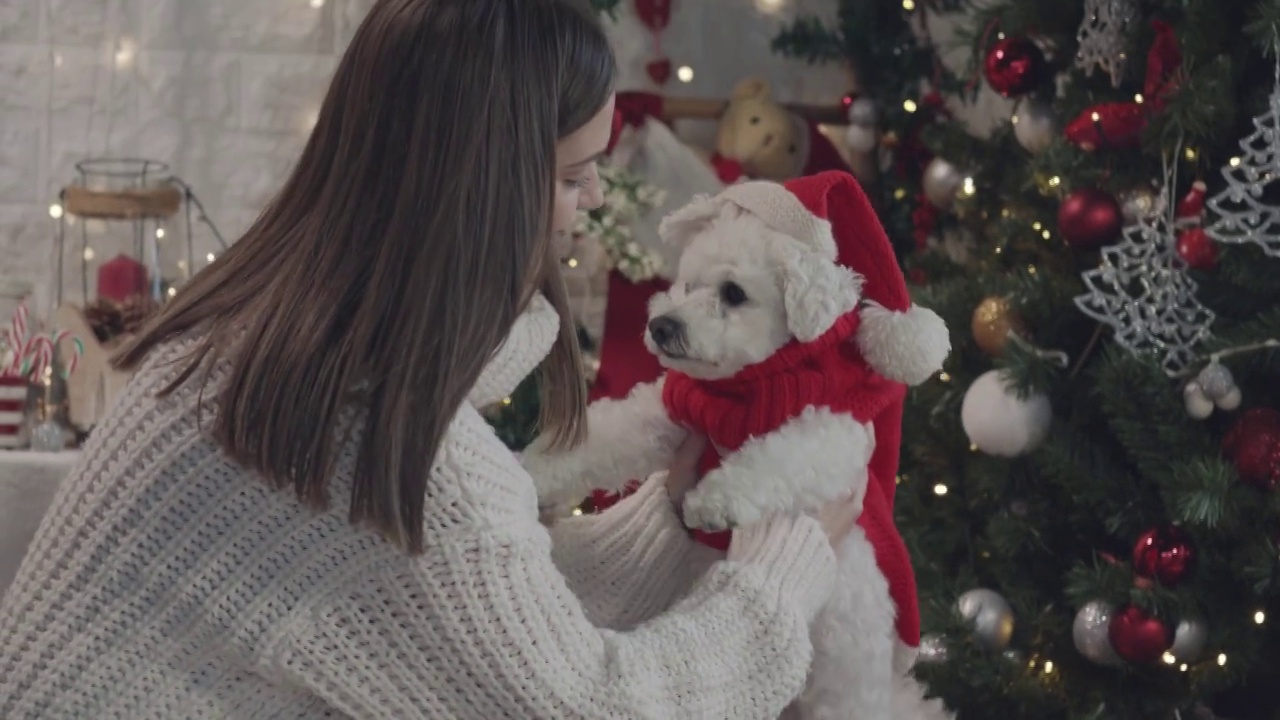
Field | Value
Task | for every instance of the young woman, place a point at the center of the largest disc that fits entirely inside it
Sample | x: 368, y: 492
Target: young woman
x: 296, y: 509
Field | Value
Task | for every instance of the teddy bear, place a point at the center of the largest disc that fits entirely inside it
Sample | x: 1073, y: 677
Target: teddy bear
x: 758, y: 138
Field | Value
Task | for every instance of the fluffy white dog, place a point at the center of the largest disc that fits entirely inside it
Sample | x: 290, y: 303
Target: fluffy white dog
x: 788, y: 338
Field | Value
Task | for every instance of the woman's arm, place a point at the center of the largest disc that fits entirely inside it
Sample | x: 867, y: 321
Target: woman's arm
x: 486, y: 627
x: 628, y: 563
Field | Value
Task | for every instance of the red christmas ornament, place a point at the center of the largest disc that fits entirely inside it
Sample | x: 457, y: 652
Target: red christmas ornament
x: 1137, y: 636
x: 1014, y: 66
x: 1252, y: 444
x: 1190, y: 209
x: 1165, y: 554
x: 1108, y: 126
x: 1197, y: 248
x: 1089, y: 218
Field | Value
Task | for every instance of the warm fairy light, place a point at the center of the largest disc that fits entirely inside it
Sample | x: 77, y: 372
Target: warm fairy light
x: 999, y: 36
x: 909, y: 105
x: 1183, y: 667
x: 1222, y: 659
x: 577, y: 511
x: 899, y: 193
x: 1095, y: 117
x: 944, y: 377
x: 939, y: 489
x: 969, y: 188
x: 1048, y: 667
x: 210, y: 257
x: 173, y: 291
x: 1004, y: 212
x: 1234, y: 162
x: 572, y: 262
x: 999, y: 250
x: 1189, y: 154
x: 1031, y: 269
x: 317, y: 4
x: 1037, y: 226
x: 1055, y: 181
x: 684, y: 74
x: 1259, y: 617
x: 88, y: 253
x: 1138, y: 98
x: 1168, y: 658
x: 506, y: 401
x: 159, y: 233
x: 973, y: 447
x: 55, y: 211
x: 125, y: 53
x: 770, y: 6
x: 1045, y: 234
x: 908, y: 5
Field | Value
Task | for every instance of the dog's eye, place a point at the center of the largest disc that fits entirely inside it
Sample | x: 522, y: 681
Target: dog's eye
x: 732, y: 294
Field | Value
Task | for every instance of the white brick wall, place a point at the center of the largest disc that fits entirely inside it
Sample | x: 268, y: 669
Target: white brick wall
x: 225, y: 90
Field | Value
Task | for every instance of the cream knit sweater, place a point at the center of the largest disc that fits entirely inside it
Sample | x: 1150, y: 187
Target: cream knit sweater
x: 166, y: 582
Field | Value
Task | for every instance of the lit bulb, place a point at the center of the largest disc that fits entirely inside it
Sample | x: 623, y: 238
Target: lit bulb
x: 908, y: 5
x: 1259, y: 617
x: 897, y: 480
x: 973, y: 447
x: 88, y: 253
x: 1222, y: 659
x: 159, y: 233
x: 999, y: 36
x: 317, y: 4
x: 1189, y: 154
x: 1045, y: 234
x: 182, y: 265
x: 1095, y: 117
x: 1183, y: 667
x: 969, y: 188
x: 899, y: 193
x: 572, y: 262
x: 1168, y: 658
x: 770, y: 6
x: 1055, y: 181
x: 944, y: 377
x: 684, y: 74
x: 1234, y: 162
x: 506, y: 401
x: 939, y: 489
x: 126, y: 52
x: 1037, y: 226
x: 577, y: 511
x: 55, y: 211
x: 1138, y: 98
x: 909, y: 105
x: 1048, y: 666
x: 1031, y: 269
x: 210, y: 257
x: 173, y: 291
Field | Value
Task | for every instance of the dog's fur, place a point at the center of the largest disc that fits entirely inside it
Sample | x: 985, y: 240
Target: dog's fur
x: 860, y: 669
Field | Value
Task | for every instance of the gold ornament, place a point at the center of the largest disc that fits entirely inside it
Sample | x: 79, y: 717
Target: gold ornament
x: 993, y: 320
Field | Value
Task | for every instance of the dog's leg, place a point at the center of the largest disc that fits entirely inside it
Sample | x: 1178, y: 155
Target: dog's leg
x: 813, y: 458
x: 627, y: 439
x: 853, y: 643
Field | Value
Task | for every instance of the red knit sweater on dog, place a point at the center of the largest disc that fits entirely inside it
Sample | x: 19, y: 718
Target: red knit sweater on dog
x: 827, y: 372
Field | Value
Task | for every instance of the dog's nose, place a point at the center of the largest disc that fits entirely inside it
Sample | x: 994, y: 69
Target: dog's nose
x: 663, y: 329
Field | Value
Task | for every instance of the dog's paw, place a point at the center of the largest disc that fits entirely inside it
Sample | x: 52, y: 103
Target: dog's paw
x: 707, y: 508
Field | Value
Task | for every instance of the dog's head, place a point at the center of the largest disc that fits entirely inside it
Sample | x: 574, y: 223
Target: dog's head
x: 742, y: 291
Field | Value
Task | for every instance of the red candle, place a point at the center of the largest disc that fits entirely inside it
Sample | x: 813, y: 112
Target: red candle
x: 122, y: 277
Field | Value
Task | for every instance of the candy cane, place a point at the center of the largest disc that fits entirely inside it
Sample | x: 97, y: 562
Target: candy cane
x: 78, y: 347
x: 18, y: 338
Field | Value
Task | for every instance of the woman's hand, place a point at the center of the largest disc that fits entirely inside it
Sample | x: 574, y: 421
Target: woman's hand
x: 838, y: 517
x: 683, y: 473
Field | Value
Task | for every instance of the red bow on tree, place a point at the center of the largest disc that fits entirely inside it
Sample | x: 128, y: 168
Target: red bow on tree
x: 632, y: 109
x: 1120, y: 124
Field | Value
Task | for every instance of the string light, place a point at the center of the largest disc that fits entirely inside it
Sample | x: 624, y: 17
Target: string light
x: 908, y: 5
x: 159, y: 233
x: 1045, y: 234
x: 88, y: 253
x: 210, y: 257
x: 1095, y: 117
x: 173, y: 291
x: 571, y: 262
x: 939, y: 489
x: 1031, y: 269
x: 126, y: 52
x: 1234, y: 162
x: 1168, y: 658
x: 55, y: 211
x: 1259, y: 617
x: 684, y: 74
x: 1138, y: 98
x: 944, y: 377
x: 1183, y: 667
x: 506, y: 401
x: 1222, y: 659
x: 909, y: 105
x: 899, y: 193
x: 969, y: 188
x: 1037, y: 226
x: 317, y: 4
x: 1048, y: 667
x: 577, y: 511
x: 1055, y: 181
x: 1189, y: 154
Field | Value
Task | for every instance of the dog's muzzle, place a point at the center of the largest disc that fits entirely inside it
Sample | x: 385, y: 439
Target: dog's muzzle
x: 667, y: 334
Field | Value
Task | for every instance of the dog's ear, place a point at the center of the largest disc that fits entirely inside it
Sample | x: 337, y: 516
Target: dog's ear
x: 816, y: 292
x: 680, y: 226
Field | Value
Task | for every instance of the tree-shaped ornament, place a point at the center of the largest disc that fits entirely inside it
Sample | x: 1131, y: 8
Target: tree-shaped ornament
x: 1103, y: 37
x: 1143, y: 291
x: 1243, y: 212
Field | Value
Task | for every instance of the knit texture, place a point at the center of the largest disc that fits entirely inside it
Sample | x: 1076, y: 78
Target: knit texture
x: 167, y: 582
x: 828, y: 372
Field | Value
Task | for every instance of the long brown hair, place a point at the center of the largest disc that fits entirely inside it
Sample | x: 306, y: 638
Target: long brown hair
x: 400, y: 252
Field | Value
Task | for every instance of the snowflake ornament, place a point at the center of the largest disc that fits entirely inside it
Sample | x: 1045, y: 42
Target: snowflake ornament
x: 1103, y: 37
x: 1143, y: 291
x: 1243, y: 213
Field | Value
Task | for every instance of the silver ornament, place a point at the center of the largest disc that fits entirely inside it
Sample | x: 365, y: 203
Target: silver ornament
x: 1138, y: 204
x: 1189, y: 641
x: 1034, y: 125
x: 941, y: 183
x: 863, y: 112
x: 1103, y: 36
x: 861, y: 138
x: 1090, y: 633
x: 1231, y: 400
x: 991, y: 616
x: 1216, y: 380
x: 1244, y: 211
x: 1197, y: 403
x: 933, y: 649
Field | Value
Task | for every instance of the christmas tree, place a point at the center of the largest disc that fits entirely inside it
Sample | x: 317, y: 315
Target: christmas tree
x: 1091, y: 488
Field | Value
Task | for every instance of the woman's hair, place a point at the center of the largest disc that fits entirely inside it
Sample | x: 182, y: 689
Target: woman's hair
x: 396, y: 258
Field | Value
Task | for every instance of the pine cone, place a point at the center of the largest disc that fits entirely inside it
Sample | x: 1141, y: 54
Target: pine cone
x: 135, y: 312
x: 104, y: 317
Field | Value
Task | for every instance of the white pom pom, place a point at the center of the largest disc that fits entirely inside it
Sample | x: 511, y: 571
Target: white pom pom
x: 1231, y: 400
x: 904, y: 346
x: 1000, y: 423
x: 1196, y: 401
x: 860, y: 139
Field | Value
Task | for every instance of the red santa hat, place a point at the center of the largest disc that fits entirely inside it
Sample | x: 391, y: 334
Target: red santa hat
x: 827, y: 215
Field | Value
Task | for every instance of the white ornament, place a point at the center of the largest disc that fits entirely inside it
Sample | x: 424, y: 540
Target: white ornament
x: 1090, y: 631
x: 991, y: 616
x: 941, y: 183
x: 1142, y: 289
x: 1216, y: 380
x: 1000, y: 423
x: 1034, y: 125
x: 1199, y: 405
x: 1231, y: 400
x: 1103, y: 36
x: 1189, y: 641
x: 863, y: 112
x: 1243, y: 214
x: 860, y: 139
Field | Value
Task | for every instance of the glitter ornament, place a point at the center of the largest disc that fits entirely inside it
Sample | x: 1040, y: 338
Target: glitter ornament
x: 1243, y: 215
x: 993, y: 321
x: 1138, y: 204
x: 1252, y: 444
x: 1090, y: 633
x: 1165, y: 554
x: 991, y: 616
x: 933, y: 649
x: 941, y: 183
x: 1014, y: 66
x: 1103, y: 37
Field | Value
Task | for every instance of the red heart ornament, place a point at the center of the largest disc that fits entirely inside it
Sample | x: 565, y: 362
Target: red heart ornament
x: 659, y: 70
x: 1137, y: 636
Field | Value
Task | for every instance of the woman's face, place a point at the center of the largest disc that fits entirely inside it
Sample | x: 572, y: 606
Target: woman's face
x: 577, y: 182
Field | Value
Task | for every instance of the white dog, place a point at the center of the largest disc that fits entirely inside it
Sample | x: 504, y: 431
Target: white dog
x: 786, y: 339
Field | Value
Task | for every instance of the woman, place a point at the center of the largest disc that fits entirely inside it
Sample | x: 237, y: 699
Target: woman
x: 296, y: 509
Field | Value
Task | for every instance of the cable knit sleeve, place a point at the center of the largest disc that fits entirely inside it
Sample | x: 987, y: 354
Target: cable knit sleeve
x: 628, y: 563
x: 483, y: 624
